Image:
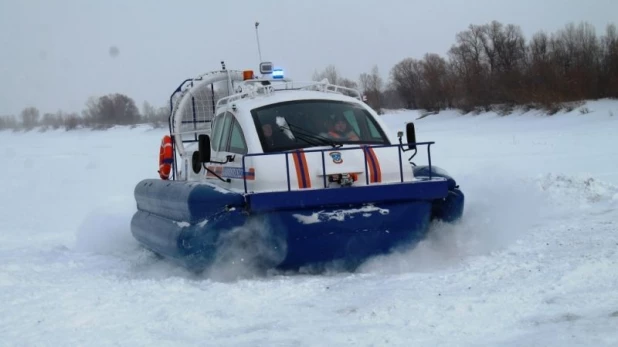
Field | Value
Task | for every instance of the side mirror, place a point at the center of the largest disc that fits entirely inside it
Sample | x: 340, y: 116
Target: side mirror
x: 411, y: 135
x: 204, y: 148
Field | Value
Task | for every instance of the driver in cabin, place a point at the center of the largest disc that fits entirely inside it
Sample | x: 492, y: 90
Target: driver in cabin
x: 340, y: 130
x: 267, y: 130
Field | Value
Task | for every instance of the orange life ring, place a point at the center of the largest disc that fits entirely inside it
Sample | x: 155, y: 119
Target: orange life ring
x: 166, y: 157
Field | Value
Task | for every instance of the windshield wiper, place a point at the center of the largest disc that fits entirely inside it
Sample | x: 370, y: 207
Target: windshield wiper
x: 311, y: 138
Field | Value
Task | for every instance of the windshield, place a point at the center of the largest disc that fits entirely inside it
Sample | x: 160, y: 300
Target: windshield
x: 315, y: 123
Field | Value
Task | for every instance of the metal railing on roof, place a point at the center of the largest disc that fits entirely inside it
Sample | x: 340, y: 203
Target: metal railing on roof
x: 253, y: 88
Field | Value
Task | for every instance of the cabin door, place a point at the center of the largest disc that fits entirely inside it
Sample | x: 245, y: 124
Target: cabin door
x: 228, y: 147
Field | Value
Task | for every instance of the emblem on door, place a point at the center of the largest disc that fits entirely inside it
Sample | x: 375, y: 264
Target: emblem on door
x: 336, y: 157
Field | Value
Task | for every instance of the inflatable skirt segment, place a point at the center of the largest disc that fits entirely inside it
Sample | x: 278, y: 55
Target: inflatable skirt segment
x: 198, y: 225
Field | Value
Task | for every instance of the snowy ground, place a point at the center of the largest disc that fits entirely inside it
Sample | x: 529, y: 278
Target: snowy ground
x: 534, y: 261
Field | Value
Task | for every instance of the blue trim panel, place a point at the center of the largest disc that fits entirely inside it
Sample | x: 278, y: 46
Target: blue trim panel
x: 310, y: 198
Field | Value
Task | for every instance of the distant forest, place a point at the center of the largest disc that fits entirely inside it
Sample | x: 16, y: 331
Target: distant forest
x: 489, y: 67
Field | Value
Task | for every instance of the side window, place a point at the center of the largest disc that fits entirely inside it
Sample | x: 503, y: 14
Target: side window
x: 373, y: 130
x: 351, y: 118
x: 216, y: 131
x: 225, y: 132
x: 237, y: 139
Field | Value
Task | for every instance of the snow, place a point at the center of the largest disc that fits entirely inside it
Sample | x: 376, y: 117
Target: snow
x: 339, y: 215
x: 533, y: 262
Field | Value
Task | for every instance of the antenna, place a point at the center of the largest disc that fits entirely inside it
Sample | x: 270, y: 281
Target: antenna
x: 258, y: 40
x: 266, y: 68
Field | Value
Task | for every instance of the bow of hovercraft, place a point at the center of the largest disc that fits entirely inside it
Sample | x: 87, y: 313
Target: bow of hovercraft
x: 198, y: 224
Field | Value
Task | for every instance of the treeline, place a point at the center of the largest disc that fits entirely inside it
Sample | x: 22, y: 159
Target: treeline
x: 100, y: 113
x: 489, y: 65
x: 493, y: 64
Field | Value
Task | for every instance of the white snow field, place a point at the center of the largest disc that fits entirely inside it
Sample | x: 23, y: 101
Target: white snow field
x: 533, y: 262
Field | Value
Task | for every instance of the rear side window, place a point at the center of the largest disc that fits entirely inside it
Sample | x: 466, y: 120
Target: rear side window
x: 237, y: 139
x: 216, y: 131
x: 349, y: 116
x: 225, y: 132
x: 373, y: 131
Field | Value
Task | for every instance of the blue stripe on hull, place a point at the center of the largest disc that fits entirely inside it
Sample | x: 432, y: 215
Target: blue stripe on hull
x: 408, y: 191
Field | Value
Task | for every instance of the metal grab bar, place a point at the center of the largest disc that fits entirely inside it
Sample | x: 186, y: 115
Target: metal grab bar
x: 361, y: 147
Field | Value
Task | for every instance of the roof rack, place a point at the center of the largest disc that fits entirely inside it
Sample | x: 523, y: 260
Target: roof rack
x: 254, y: 87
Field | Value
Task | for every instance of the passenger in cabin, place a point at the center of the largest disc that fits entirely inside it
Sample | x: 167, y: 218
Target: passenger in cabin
x: 340, y: 129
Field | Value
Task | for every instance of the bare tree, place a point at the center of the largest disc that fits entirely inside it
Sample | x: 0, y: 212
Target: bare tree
x: 405, y: 78
x: 50, y: 120
x: 434, y: 90
x: 330, y: 73
x: 29, y: 117
x: 540, y: 76
x: 160, y: 117
x: 608, y: 82
x: 149, y: 113
x: 575, y: 53
x: 113, y: 109
x: 72, y: 121
x: 467, y: 59
x: 8, y: 122
x: 505, y: 51
x: 391, y: 99
x: 372, y: 85
x: 348, y: 83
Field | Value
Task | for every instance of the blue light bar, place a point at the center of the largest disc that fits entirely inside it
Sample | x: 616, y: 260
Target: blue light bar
x: 277, y: 73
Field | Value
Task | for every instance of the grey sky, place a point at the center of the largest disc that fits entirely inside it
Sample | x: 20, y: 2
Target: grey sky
x: 56, y: 53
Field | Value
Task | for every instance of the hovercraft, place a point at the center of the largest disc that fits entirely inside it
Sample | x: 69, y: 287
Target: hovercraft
x: 295, y: 173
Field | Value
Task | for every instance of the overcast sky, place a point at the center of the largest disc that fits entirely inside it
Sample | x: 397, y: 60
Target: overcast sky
x: 55, y: 54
